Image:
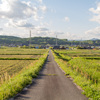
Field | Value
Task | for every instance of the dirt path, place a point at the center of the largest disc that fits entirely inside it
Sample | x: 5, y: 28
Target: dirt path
x: 51, y: 84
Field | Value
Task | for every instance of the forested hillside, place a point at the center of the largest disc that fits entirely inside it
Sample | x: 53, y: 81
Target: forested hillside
x: 12, y: 40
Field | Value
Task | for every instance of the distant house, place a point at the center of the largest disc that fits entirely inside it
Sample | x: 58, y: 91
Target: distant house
x: 43, y: 47
x: 99, y: 47
x: 87, y: 47
x: 92, y: 47
x: 47, y: 47
x: 12, y: 45
x: 62, y: 47
x: 37, y: 47
x: 67, y: 48
x: 56, y: 47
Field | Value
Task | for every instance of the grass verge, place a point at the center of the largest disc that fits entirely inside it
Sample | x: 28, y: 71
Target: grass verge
x: 17, y: 83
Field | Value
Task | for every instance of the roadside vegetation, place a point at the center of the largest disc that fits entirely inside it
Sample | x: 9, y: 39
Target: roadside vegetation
x: 17, y: 69
x: 84, y: 67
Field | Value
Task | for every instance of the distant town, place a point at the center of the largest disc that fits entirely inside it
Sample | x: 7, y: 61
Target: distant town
x: 46, y: 42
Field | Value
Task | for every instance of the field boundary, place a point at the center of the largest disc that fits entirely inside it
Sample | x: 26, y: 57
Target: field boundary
x: 18, y: 58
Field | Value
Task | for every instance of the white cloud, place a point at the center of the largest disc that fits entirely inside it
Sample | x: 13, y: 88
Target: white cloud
x: 43, y: 8
x: 67, y: 19
x: 40, y: 1
x: 1, y: 29
x: 44, y: 29
x: 96, y: 19
x: 16, y: 9
x: 93, y: 32
x: 41, y: 29
x: 69, y: 36
x: 49, y: 33
x: 96, y: 12
x: 18, y: 12
x: 20, y: 24
x: 19, y: 15
x: 59, y: 32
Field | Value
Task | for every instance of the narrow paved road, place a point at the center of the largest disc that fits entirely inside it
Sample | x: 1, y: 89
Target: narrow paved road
x: 51, y: 84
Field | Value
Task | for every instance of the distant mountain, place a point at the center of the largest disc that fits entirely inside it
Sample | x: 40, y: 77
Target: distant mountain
x: 94, y: 39
x: 14, y: 41
x: 8, y: 37
x: 8, y: 40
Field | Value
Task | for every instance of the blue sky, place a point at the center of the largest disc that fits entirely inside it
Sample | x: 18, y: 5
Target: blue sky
x: 69, y: 19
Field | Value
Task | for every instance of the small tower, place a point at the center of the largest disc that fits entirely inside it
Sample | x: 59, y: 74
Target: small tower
x: 30, y: 40
x: 56, y: 40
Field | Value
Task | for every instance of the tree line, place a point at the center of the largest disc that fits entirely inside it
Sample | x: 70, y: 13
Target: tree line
x: 12, y: 40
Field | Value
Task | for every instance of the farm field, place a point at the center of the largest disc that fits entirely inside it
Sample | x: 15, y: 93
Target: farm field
x: 20, y: 56
x: 84, y: 67
x: 18, y: 62
x: 80, y: 53
x: 9, y: 68
x: 21, y: 51
x: 12, y: 67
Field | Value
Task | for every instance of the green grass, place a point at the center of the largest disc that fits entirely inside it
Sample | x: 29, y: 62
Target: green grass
x: 85, y: 72
x: 21, y: 51
x: 80, y: 53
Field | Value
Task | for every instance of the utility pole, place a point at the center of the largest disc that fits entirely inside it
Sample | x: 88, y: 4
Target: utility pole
x: 56, y: 40
x: 81, y: 42
x: 30, y: 40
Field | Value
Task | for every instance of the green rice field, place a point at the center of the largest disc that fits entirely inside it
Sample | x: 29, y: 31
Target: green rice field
x: 17, y: 68
x: 84, y: 67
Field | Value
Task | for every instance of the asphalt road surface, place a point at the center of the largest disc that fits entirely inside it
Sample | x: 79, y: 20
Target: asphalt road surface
x: 51, y: 84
